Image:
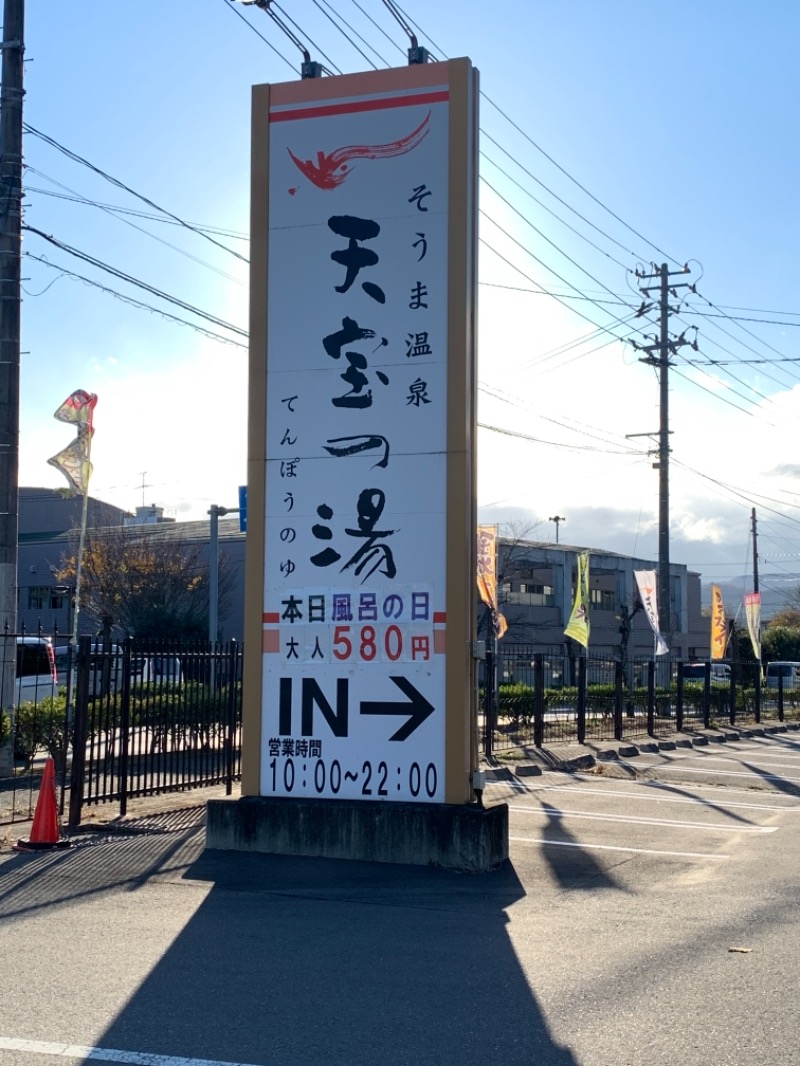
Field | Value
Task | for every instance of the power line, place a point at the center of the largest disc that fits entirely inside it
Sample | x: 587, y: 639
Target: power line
x: 121, y: 185
x: 132, y: 301
x: 141, y: 229
x: 267, y: 42
x: 86, y: 258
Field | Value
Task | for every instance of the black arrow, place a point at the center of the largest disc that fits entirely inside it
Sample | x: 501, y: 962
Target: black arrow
x: 418, y: 708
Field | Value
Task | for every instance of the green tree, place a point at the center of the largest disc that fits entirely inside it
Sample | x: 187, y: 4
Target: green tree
x: 781, y: 642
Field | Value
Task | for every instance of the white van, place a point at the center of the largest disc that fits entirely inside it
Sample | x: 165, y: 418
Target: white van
x: 789, y: 671
x: 105, y: 665
x: 696, y: 672
x: 157, y: 669
x: 36, y: 670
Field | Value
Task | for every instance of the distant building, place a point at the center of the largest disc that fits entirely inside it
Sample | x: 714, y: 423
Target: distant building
x: 147, y: 516
x: 48, y: 527
x: 536, y: 581
x: 536, y: 589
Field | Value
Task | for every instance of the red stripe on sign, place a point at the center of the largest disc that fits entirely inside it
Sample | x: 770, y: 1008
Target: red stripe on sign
x: 271, y: 618
x: 439, y: 618
x: 354, y: 106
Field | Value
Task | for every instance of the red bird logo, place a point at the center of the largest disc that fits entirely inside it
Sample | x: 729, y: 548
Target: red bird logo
x: 332, y: 169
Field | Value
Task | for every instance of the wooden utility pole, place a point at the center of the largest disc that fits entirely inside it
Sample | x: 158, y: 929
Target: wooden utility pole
x: 11, y: 93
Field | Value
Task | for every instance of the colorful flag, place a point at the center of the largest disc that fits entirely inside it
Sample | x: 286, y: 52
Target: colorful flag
x: 578, y: 625
x: 73, y: 461
x: 719, y: 628
x: 487, y: 576
x: 646, y: 584
x: 79, y: 407
x: 752, y: 610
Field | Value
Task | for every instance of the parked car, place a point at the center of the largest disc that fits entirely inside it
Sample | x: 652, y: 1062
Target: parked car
x: 696, y: 673
x: 789, y: 671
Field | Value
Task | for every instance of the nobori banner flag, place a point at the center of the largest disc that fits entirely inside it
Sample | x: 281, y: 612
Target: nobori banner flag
x: 578, y: 626
x: 646, y: 584
x: 487, y: 576
x: 719, y: 627
x: 74, y: 461
x: 752, y: 610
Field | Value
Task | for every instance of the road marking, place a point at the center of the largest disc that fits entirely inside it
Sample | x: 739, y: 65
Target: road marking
x: 630, y: 819
x: 795, y: 808
x: 100, y: 1054
x: 711, y: 789
x: 725, y: 773
x: 614, y: 847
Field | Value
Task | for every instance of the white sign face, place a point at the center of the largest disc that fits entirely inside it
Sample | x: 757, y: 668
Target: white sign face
x: 354, y: 590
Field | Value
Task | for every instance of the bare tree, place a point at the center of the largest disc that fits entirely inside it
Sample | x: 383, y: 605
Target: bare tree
x: 144, y: 584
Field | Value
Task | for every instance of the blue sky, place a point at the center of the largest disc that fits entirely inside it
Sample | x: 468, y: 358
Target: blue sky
x: 677, y: 125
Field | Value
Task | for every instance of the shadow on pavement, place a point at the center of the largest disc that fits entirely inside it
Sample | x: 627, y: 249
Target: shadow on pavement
x: 782, y: 784
x: 571, y: 864
x: 312, y: 962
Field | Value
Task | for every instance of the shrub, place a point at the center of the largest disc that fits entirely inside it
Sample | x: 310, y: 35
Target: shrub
x: 40, y: 725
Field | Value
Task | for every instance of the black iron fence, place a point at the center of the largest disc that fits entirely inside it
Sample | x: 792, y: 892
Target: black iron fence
x: 534, y: 697
x: 121, y: 721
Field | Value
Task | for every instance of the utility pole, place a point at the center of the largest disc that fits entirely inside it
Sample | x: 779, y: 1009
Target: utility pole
x: 664, y: 346
x: 755, y: 551
x: 10, y: 249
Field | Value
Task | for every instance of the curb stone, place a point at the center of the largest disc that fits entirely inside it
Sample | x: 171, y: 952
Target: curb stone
x: 667, y: 745
x: 715, y: 738
x: 582, y: 762
x: 700, y: 741
x: 628, y: 751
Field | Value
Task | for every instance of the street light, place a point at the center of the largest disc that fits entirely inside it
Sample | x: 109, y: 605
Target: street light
x: 557, y: 519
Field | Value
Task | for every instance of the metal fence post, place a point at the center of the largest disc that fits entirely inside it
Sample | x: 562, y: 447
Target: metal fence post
x: 780, y: 697
x: 79, y: 722
x: 619, y: 696
x: 679, y: 698
x: 538, y: 700
x: 757, y: 688
x: 707, y: 697
x: 732, y: 705
x: 651, y: 698
x: 581, y: 700
x: 125, y: 724
x: 489, y: 677
x: 233, y: 677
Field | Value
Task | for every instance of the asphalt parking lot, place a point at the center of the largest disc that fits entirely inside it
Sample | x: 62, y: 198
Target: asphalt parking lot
x: 660, y: 814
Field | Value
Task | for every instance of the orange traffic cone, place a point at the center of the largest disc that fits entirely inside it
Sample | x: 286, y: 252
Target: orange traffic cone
x: 45, y: 832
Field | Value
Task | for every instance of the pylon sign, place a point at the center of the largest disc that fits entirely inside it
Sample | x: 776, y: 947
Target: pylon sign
x: 361, y: 436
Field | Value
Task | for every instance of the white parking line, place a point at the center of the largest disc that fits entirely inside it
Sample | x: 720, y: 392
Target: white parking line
x: 794, y: 808
x: 701, y: 786
x: 614, y: 847
x: 100, y: 1054
x: 631, y: 820
x: 723, y: 773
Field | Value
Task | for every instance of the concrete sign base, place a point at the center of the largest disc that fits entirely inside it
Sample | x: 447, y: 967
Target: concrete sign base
x: 469, y: 837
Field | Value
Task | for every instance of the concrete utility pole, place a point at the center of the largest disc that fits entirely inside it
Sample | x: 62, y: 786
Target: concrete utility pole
x: 11, y: 93
x: 755, y: 552
x: 664, y: 345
